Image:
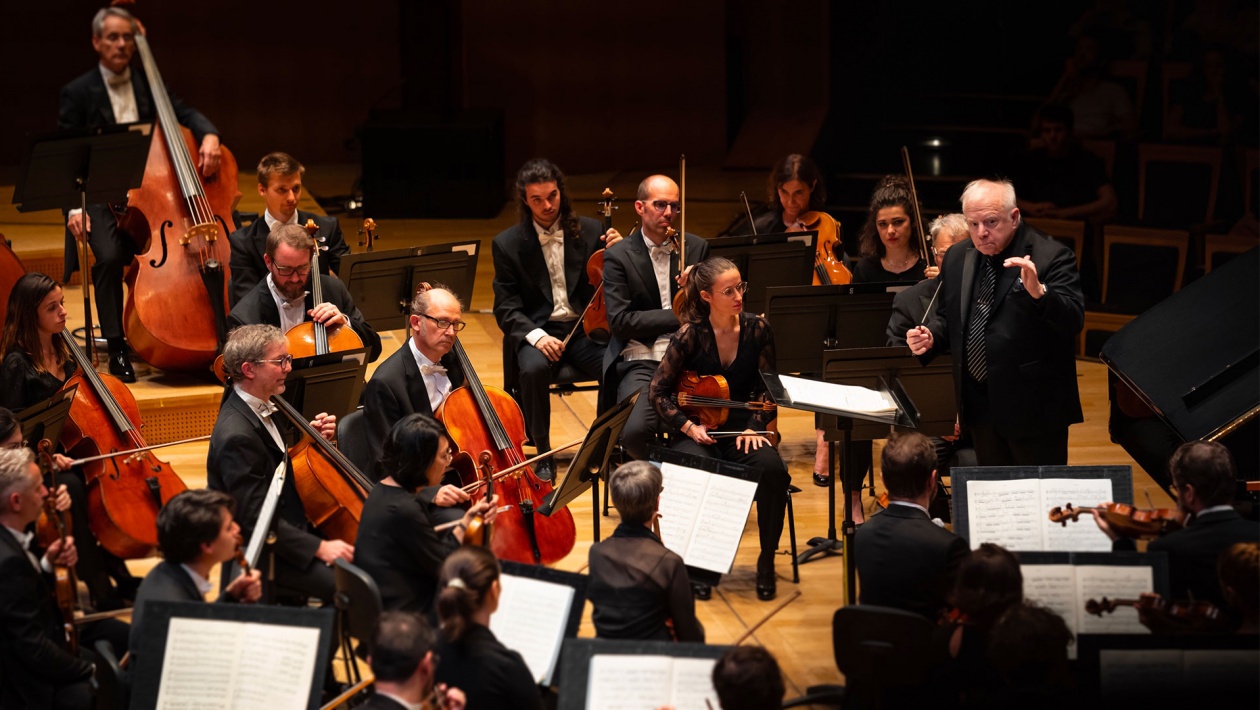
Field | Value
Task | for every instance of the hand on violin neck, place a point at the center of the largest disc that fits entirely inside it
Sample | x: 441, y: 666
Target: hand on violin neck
x: 62, y: 553
x: 682, y: 278
x: 449, y: 496
x: 246, y: 588
x: 332, y: 550
x: 611, y: 237
x: 61, y: 498
x: 326, y: 425
x: 1101, y: 518
x: 328, y: 314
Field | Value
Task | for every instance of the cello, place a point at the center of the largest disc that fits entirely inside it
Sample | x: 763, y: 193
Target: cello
x: 485, y: 423
x: 124, y: 493
x: 175, y: 315
x: 310, y: 338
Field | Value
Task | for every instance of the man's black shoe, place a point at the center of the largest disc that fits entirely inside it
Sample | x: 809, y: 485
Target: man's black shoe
x: 702, y: 591
x: 120, y: 366
x: 546, y: 470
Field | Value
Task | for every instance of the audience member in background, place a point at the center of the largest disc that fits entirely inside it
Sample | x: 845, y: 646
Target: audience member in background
x: 1238, y: 570
x: 748, y: 678
x: 472, y: 658
x: 636, y: 584
x: 1211, y: 106
x: 904, y: 560
x: 1028, y: 652
x: 1102, y: 108
x: 402, y: 660
x: 1205, y: 477
x: 1060, y: 179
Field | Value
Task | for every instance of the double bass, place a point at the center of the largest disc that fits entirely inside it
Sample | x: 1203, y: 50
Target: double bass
x: 175, y: 315
x: 124, y: 492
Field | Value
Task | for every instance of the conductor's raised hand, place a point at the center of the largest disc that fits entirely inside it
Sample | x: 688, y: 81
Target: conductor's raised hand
x: 1027, y: 275
x: 919, y: 338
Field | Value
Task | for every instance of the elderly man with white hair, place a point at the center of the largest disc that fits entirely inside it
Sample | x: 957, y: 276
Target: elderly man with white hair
x: 1010, y: 309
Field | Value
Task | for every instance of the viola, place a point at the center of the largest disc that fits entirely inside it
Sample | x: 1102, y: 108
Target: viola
x: 332, y: 488
x: 311, y: 338
x: 11, y: 269
x: 829, y: 268
x: 1127, y: 520
x: 679, y: 238
x: 51, y: 527
x: 1166, y: 616
x: 368, y: 234
x: 708, y: 398
x: 124, y: 493
x: 485, y: 424
x: 595, y: 317
x: 176, y: 310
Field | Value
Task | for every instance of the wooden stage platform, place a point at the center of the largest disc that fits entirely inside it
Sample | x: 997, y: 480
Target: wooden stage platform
x: 180, y: 406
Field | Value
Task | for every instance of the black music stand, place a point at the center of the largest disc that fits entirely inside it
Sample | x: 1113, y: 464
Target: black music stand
x: 43, y: 420
x: 590, y: 464
x: 768, y: 260
x: 542, y: 573
x: 63, y: 170
x: 328, y: 383
x: 810, y: 319
x: 382, y: 283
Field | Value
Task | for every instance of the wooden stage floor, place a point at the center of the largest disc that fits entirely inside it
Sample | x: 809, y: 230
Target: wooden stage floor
x: 799, y: 634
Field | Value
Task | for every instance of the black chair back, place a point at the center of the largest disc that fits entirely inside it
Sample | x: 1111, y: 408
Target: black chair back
x: 358, y: 601
x: 885, y: 654
x: 111, y: 691
x: 352, y: 441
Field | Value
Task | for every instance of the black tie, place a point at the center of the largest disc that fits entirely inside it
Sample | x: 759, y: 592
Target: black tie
x: 980, y: 312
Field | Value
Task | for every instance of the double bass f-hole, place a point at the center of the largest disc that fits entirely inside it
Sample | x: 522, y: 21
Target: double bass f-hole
x: 162, y: 241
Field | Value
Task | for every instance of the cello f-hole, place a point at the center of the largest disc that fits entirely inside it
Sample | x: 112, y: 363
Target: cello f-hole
x: 162, y: 236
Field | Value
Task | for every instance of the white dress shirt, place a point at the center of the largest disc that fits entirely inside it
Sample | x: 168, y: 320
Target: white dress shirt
x: 437, y: 384
x: 262, y: 410
x: 552, y: 242
x: 122, y: 94
x: 203, y: 585
x: 660, y: 256
x: 291, y: 312
x: 272, y: 221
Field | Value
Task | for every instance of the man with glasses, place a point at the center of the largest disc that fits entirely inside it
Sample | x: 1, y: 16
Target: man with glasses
x: 248, y: 442
x: 1011, y: 307
x: 640, y: 279
x: 283, y: 298
x: 541, y: 291
x: 280, y: 186
x: 116, y: 92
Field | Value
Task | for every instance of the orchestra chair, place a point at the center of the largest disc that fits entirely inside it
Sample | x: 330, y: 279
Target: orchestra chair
x: 1177, y: 184
x: 886, y: 656
x: 1141, y: 267
x: 111, y: 688
x: 243, y: 219
x: 1220, y: 248
x: 1071, y: 232
x: 353, y: 442
x: 359, y: 607
x: 564, y: 381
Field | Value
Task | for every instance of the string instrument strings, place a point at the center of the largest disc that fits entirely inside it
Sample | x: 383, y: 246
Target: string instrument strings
x: 310, y: 337
x: 1125, y: 519
x: 594, y: 319
x: 924, y: 252
x: 51, y: 527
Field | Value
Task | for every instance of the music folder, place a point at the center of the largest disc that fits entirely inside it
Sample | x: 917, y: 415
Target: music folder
x: 43, y: 420
x: 603, y: 674
x: 887, y: 404
x: 539, y: 608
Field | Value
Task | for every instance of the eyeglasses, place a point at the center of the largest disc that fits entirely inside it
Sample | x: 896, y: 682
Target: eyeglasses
x: 287, y: 271
x: 458, y: 325
x: 662, y: 205
x: 283, y: 362
x: 740, y: 288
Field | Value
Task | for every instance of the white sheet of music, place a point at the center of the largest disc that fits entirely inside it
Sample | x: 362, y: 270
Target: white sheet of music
x: 628, y: 682
x: 1113, y: 582
x: 703, y: 515
x: 530, y: 620
x: 211, y: 664
x: 1054, y: 587
x: 1015, y: 514
x: 847, y: 398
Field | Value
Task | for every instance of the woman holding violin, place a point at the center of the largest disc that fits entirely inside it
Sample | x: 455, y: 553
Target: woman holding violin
x: 36, y: 364
x: 398, y: 544
x: 719, y: 339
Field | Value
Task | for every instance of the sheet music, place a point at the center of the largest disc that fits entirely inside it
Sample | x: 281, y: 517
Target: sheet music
x: 530, y: 620
x: 1006, y: 513
x: 1054, y: 587
x: 692, y: 684
x: 703, y: 515
x: 232, y: 665
x: 1082, y: 535
x: 1113, y: 582
x: 626, y: 682
x: 1125, y: 671
x: 681, y: 497
x: 847, y: 398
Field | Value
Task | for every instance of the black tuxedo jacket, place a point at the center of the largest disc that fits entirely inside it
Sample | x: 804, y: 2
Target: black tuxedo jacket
x: 241, y: 461
x: 166, y: 582
x: 34, y: 660
x: 396, y: 390
x: 250, y: 243
x: 380, y: 702
x: 85, y: 104
x: 909, y: 307
x: 522, y: 284
x: 258, y: 306
x: 1194, y: 550
x: 1030, y: 344
x: 906, y: 561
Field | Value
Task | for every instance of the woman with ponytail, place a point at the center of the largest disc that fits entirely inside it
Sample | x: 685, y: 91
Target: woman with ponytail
x: 491, y: 675
x: 718, y: 338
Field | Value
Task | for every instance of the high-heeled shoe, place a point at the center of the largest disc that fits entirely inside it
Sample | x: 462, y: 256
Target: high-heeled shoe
x: 822, y: 480
x: 767, y: 582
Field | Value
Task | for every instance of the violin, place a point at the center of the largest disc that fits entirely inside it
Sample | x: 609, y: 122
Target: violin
x: 594, y: 318
x: 679, y: 237
x: 310, y: 338
x: 123, y: 493
x: 1166, y: 616
x: 11, y: 269
x: 478, y: 532
x: 1127, y: 520
x: 51, y: 527
x: 332, y: 488
x: 829, y: 268
x: 927, y: 255
x: 708, y: 398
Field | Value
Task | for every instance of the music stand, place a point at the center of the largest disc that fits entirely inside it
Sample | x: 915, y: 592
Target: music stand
x: 768, y: 260
x: 328, y: 383
x: 575, y: 662
x: 810, y: 319
x: 590, y: 464
x: 382, y: 283
x: 43, y: 420
x: 66, y: 169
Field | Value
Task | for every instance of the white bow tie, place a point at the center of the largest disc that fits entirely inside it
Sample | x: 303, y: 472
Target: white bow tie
x: 266, y: 409
x: 666, y: 248
x: 427, y: 370
x: 24, y: 540
x: 117, y: 80
x: 545, y: 238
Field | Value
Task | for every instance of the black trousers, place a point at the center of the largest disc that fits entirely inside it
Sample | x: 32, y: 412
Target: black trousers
x: 643, y: 425
x: 537, y: 374
x: 113, y: 252
x: 1046, y: 448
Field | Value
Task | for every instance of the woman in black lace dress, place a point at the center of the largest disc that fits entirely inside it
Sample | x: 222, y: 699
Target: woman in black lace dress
x: 718, y: 338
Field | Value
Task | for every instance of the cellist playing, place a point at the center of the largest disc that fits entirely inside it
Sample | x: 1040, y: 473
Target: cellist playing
x: 246, y: 446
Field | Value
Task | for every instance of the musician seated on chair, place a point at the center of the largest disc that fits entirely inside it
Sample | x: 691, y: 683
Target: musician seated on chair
x: 1205, y: 478
x: 280, y: 186
x: 638, y: 587
x: 195, y: 532
x: 719, y: 339
x: 398, y: 543
x: 248, y: 442
x: 36, y: 665
x: 284, y: 299
x: 541, y: 291
x: 403, y: 662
